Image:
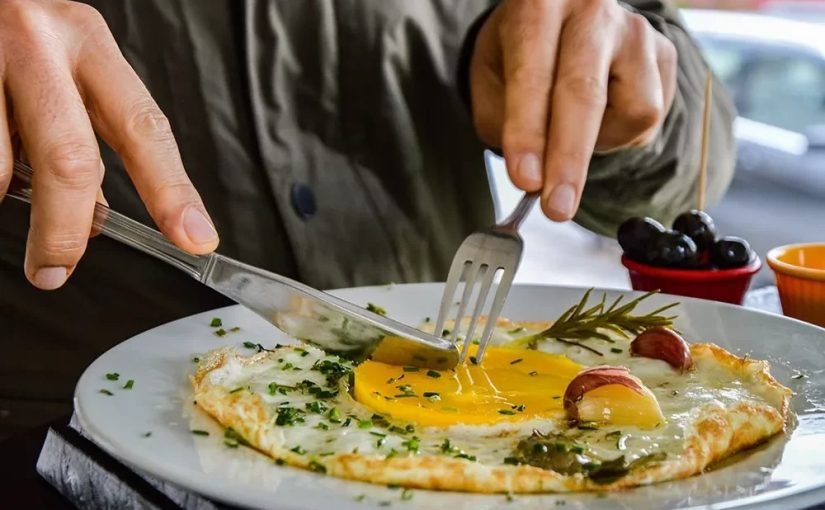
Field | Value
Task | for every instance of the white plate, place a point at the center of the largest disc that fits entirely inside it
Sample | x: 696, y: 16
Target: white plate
x: 788, y: 472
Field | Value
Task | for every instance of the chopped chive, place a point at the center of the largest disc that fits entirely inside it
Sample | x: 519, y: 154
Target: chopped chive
x: 234, y: 329
x: 473, y: 360
x: 106, y: 392
x: 433, y: 374
x: 298, y: 450
x: 322, y: 426
x: 199, y: 432
x: 506, y: 411
x: 463, y: 455
x: 798, y: 376
x: 533, y: 373
x: 412, y: 444
x: 220, y: 332
x: 616, y: 350
x: 391, y: 380
x: 393, y: 453
x: 113, y: 376
x: 364, y: 424
x: 445, y: 332
x: 513, y: 461
x: 129, y: 384
x: 380, y: 442
x: 406, y: 494
x: 196, y: 360
x: 378, y: 434
x: 326, y: 454
x: 371, y: 307
x: 216, y: 322
x: 334, y: 415
x: 316, y: 466
x: 517, y: 330
x: 426, y: 319
x: 236, y: 390
x: 250, y: 345
x: 280, y: 462
x: 147, y: 434
x: 516, y: 361
x: 360, y: 497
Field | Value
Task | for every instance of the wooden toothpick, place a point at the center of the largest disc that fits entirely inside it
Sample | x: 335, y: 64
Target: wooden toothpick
x: 703, y: 162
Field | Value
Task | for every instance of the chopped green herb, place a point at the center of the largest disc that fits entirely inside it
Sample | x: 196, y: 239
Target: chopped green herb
x: 234, y: 329
x: 346, y: 422
x: 463, y: 455
x: 432, y: 396
x: 378, y: 434
x: 360, y: 497
x: 616, y: 350
x: 512, y: 461
x: 411, y: 369
x: 199, y: 432
x: 364, y: 424
x: 433, y: 374
x: 236, y: 390
x: 412, y: 444
x: 473, y: 360
x: 516, y: 361
x: 280, y: 462
x: 298, y: 450
x: 316, y: 466
x: 798, y: 376
x: 288, y: 416
x: 220, y: 332
x: 147, y: 434
x: 406, y: 494
x: 316, y: 407
x: 216, y: 322
x: 114, y: 376
x: 334, y: 415
x: 322, y: 426
x: 129, y: 384
x: 393, y: 453
x: 426, y: 319
x: 196, y: 360
x: 380, y: 442
x: 520, y: 408
x: 232, y: 439
x: 326, y: 454
x: 517, y: 330
x: 447, y: 447
x: 445, y: 332
x: 585, y: 425
x: 250, y: 345
x: 106, y: 392
x: 391, y: 380
x: 506, y: 411
x: 372, y: 307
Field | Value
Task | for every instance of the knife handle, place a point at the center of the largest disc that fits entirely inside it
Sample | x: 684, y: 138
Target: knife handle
x: 124, y: 229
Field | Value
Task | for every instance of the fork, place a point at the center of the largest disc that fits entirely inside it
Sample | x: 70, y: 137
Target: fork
x: 331, y: 323
x: 481, y: 256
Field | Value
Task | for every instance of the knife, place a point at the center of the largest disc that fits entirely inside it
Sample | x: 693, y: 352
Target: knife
x: 315, y: 317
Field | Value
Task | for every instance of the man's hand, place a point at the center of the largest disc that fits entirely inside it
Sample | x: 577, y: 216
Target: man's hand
x: 552, y: 81
x: 65, y: 79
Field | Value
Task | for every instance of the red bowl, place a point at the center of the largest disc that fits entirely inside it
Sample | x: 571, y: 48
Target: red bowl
x: 726, y: 285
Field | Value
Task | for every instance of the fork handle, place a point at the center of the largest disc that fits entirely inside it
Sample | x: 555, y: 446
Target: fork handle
x: 126, y: 230
x: 523, y: 208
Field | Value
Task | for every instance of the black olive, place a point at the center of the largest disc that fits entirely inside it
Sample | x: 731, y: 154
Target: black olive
x: 636, y: 235
x: 697, y: 225
x: 729, y: 252
x: 672, y: 249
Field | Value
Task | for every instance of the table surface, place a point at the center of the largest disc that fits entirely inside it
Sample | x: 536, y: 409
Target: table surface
x: 19, y: 481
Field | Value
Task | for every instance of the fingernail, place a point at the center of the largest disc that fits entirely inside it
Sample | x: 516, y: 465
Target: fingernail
x: 529, y: 168
x: 198, y: 227
x: 50, y: 278
x: 562, y: 200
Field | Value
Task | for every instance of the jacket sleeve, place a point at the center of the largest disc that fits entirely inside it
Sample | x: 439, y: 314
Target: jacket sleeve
x: 659, y: 179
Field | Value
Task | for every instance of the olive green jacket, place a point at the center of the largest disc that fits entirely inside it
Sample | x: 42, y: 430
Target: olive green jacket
x: 330, y: 144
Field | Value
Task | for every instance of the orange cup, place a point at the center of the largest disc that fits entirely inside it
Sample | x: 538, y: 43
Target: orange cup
x: 800, y: 278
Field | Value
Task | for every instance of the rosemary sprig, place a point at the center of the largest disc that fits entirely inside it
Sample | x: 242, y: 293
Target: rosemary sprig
x: 582, y: 322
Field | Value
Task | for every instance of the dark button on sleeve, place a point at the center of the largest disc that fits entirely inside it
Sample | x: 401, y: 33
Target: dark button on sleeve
x: 303, y: 200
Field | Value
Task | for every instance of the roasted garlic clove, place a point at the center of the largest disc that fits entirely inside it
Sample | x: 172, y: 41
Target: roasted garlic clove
x: 610, y: 395
x: 663, y: 344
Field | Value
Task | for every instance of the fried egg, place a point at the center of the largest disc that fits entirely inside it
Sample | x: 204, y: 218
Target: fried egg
x: 497, y: 426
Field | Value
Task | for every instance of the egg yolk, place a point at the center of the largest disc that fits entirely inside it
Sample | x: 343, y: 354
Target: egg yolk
x: 508, y: 385
x: 617, y: 404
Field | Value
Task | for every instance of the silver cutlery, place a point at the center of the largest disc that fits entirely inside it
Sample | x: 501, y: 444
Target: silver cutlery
x: 313, y: 316
x: 481, y: 256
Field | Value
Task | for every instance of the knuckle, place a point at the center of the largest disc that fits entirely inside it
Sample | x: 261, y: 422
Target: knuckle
x: 587, y: 90
x: 74, y: 165
x: 643, y: 115
x: 638, y: 23
x: 145, y: 121
x: 84, y: 12
x: 60, y: 248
